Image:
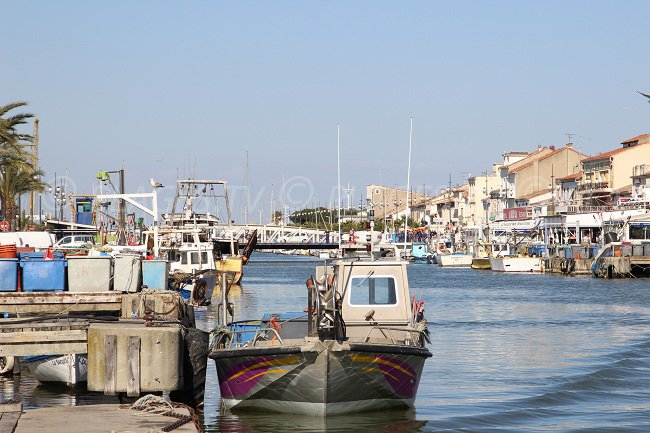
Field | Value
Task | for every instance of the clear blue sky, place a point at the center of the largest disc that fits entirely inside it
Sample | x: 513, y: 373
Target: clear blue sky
x: 171, y: 89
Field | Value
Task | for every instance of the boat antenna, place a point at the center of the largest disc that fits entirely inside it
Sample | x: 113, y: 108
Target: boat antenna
x: 338, y: 171
x: 408, y: 185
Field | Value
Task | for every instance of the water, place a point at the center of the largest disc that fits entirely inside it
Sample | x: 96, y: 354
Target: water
x: 512, y: 353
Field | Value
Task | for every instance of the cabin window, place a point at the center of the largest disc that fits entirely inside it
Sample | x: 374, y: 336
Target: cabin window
x: 639, y: 231
x: 375, y: 290
x: 195, y: 258
x: 184, y: 259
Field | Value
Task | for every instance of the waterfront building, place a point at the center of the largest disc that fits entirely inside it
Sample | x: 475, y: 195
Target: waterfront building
x: 608, y: 177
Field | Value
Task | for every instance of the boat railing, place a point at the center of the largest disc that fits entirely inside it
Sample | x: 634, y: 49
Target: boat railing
x: 261, y: 334
x: 387, y: 333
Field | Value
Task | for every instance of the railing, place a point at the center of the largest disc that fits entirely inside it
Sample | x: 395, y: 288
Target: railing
x: 261, y: 334
x: 593, y: 186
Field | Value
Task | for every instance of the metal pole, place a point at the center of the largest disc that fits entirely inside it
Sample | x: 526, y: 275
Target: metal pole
x: 121, y: 240
x: 224, y: 297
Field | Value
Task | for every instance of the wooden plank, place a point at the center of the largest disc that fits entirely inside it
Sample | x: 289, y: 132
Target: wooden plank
x: 133, y: 384
x: 110, y: 362
x: 34, y: 349
x: 57, y: 302
x: 43, y: 336
x: 9, y: 416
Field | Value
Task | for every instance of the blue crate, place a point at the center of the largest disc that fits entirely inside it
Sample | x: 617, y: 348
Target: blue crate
x: 155, y: 274
x: 40, y: 275
x: 8, y: 275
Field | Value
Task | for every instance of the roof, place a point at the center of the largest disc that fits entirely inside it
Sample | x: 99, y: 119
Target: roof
x: 637, y: 138
x: 627, y: 189
x: 573, y: 176
x: 606, y: 155
x: 527, y: 161
x: 534, y: 194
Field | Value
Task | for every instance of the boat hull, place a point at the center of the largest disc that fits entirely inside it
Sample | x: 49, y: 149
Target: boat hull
x: 481, y: 263
x: 69, y: 369
x: 321, y: 378
x: 517, y: 264
x: 455, y: 260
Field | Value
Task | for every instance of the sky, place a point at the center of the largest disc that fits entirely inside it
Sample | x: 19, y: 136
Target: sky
x: 263, y: 93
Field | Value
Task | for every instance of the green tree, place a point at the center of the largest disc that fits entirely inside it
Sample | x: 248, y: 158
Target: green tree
x: 17, y: 172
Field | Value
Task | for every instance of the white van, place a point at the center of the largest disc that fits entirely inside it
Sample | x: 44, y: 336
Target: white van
x: 38, y: 240
x: 75, y: 241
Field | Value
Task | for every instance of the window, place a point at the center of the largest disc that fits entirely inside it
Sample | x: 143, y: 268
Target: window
x: 195, y: 258
x: 374, y: 290
x: 639, y: 231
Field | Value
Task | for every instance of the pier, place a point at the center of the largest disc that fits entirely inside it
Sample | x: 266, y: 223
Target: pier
x: 136, y: 343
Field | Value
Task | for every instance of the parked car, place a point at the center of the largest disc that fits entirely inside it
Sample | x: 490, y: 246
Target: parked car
x: 75, y: 241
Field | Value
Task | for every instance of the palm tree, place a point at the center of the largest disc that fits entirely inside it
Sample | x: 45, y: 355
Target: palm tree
x: 17, y: 172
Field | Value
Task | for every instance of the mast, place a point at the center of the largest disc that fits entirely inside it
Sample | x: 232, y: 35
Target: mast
x: 408, y: 186
x: 338, y: 171
x: 248, y: 193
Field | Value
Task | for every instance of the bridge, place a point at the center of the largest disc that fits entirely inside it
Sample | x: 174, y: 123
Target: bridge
x: 282, y: 236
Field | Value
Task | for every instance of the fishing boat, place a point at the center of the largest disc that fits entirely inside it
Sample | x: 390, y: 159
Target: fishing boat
x: 69, y: 369
x: 455, y: 260
x: 504, y: 259
x: 197, y: 243
x: 420, y: 253
x: 481, y: 259
x: 359, y: 345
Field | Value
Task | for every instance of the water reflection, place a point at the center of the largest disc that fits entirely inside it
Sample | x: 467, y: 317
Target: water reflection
x: 372, y: 422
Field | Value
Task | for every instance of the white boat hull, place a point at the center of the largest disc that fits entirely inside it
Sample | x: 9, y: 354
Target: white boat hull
x: 517, y: 264
x: 69, y: 369
x: 455, y: 260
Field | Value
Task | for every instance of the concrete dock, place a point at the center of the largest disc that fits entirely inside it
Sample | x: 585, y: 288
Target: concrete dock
x: 104, y: 418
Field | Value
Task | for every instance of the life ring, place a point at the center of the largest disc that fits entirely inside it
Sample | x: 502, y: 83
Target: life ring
x: 199, y: 291
x: 6, y: 365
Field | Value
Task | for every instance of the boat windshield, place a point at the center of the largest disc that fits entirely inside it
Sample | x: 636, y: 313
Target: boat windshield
x: 375, y: 290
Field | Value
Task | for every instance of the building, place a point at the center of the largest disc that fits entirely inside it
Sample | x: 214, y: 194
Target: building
x: 608, y: 177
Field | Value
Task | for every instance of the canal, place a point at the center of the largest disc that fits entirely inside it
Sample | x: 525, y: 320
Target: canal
x: 512, y: 353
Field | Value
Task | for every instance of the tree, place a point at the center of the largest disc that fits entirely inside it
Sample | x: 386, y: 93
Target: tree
x: 17, y: 172
x: 277, y: 217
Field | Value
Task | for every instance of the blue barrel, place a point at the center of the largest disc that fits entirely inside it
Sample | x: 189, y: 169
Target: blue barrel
x: 155, y: 274
x: 8, y: 275
x: 42, y: 275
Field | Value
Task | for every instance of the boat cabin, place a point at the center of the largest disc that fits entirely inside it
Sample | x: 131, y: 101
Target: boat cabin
x: 371, y: 293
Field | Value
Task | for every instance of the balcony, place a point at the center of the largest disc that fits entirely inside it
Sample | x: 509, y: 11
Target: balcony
x: 594, y: 187
x: 641, y: 171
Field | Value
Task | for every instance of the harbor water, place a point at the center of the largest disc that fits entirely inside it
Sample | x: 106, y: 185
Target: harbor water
x: 511, y: 353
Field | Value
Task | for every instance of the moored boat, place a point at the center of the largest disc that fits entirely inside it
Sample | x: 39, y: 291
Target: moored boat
x: 455, y: 260
x: 359, y: 346
x: 481, y: 263
x: 505, y: 259
x: 69, y: 369
x: 517, y: 264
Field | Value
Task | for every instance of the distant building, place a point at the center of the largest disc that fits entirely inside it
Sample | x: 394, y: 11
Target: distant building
x: 607, y: 177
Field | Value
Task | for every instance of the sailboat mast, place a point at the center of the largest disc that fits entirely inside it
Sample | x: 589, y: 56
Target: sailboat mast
x: 338, y: 170
x: 408, y: 186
